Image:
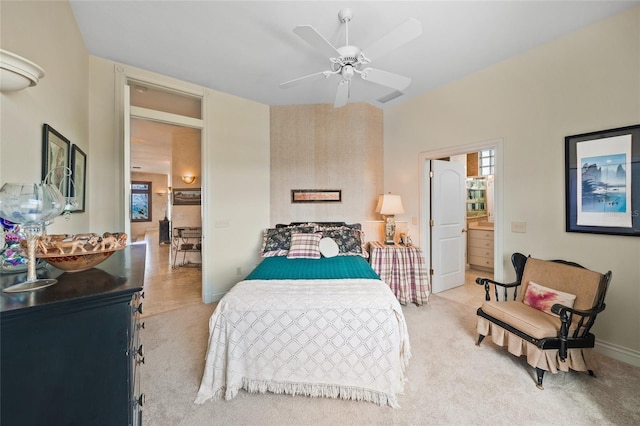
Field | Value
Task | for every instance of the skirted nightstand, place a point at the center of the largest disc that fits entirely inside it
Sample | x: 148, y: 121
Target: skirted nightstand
x: 403, y: 268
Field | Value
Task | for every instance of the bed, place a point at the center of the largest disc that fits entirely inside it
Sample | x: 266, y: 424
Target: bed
x: 300, y: 324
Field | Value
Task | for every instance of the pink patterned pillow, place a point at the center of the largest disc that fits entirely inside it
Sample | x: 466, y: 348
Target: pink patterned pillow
x: 543, y: 298
x: 305, y: 246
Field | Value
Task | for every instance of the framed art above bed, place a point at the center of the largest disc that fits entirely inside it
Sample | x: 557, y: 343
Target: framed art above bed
x: 316, y: 195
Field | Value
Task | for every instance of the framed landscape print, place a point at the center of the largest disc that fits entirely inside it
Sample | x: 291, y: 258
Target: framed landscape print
x: 602, y: 180
x: 187, y: 197
x: 316, y: 195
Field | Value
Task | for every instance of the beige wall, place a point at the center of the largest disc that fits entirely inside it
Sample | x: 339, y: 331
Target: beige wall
x: 587, y: 81
x: 36, y: 31
x: 236, y: 201
x: 322, y: 147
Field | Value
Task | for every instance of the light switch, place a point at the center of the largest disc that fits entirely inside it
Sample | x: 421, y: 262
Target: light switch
x: 520, y: 227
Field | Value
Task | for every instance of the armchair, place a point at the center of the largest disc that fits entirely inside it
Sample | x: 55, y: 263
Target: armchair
x: 554, y: 305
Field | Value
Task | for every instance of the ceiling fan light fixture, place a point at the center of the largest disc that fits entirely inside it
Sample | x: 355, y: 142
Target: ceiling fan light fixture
x: 351, y: 58
x: 347, y: 72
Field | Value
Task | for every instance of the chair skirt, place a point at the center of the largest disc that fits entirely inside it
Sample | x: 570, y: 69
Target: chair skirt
x: 579, y: 359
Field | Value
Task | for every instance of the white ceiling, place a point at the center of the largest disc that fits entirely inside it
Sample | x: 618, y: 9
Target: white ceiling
x: 248, y: 48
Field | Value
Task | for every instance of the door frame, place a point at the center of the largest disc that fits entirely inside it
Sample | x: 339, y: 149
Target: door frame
x: 425, y: 197
x: 124, y: 74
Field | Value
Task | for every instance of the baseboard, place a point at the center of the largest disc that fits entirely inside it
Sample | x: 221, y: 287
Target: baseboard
x: 619, y: 353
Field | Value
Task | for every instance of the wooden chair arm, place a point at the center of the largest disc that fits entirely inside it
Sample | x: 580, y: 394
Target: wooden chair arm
x: 486, y: 281
x: 566, y: 317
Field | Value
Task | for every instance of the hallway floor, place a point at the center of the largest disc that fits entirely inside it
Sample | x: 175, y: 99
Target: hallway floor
x: 167, y: 288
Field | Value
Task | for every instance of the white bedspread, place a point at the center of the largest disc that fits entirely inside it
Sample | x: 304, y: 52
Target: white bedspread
x: 333, y: 338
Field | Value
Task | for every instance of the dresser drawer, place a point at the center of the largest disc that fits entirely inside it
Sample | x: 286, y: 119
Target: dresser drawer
x: 485, y: 244
x: 480, y: 234
x: 481, y: 261
x: 481, y: 252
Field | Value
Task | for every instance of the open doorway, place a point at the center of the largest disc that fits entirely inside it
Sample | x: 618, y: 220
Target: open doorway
x: 476, y: 241
x: 165, y: 180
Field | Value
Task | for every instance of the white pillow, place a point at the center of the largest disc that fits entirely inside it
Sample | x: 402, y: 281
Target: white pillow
x: 328, y: 247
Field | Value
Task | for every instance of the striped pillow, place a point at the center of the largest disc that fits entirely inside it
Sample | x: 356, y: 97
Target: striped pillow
x: 305, y: 246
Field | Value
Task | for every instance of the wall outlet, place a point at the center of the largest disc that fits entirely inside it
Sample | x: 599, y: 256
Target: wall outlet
x: 519, y: 227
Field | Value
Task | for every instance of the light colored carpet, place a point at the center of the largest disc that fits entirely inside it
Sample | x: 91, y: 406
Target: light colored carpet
x: 450, y: 382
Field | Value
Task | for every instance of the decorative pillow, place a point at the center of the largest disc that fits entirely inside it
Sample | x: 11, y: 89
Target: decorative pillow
x: 543, y: 298
x: 350, y: 241
x: 305, y: 246
x: 328, y: 247
x: 276, y: 241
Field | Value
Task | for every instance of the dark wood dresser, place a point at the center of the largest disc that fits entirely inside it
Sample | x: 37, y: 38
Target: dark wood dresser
x: 70, y: 353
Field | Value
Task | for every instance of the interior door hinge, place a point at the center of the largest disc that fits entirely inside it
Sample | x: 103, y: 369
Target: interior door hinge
x: 431, y: 174
x: 431, y: 222
x: 431, y: 271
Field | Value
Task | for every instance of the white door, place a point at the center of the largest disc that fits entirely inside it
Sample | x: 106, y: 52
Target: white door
x: 448, y: 224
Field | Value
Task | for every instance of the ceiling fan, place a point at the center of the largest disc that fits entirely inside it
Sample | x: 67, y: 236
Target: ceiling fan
x: 348, y: 61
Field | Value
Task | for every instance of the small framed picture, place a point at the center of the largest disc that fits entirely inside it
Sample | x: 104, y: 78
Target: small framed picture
x: 187, y: 197
x: 316, y: 195
x: 55, y: 159
x: 77, y: 185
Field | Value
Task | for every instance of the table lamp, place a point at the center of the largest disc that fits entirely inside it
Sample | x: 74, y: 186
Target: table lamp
x: 388, y: 206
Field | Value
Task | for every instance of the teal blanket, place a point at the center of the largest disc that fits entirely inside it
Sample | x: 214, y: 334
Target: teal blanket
x: 339, y: 267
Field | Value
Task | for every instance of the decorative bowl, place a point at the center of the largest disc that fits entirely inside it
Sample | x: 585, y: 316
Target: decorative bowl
x: 78, y: 261
x: 74, y: 253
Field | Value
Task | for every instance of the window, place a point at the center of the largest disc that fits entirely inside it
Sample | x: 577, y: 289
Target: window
x: 486, y: 162
x: 140, y: 201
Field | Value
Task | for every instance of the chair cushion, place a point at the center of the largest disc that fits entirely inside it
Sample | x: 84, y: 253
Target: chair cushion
x: 585, y: 284
x: 531, y: 321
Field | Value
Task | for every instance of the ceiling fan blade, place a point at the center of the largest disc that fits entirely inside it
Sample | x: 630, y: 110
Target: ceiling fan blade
x: 307, y: 78
x: 343, y: 94
x: 403, y: 33
x: 315, y: 39
x: 385, y: 78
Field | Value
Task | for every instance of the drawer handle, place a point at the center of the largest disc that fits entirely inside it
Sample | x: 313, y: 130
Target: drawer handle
x: 141, y: 399
x: 140, y: 325
x: 138, y: 309
x: 140, y: 361
x: 140, y: 351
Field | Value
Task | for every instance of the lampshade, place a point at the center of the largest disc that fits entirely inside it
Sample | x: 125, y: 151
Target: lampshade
x: 389, y: 204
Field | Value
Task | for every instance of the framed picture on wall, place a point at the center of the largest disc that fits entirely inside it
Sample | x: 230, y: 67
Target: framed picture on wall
x: 55, y: 158
x: 602, y: 179
x: 78, y: 177
x: 316, y: 195
x: 187, y: 197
